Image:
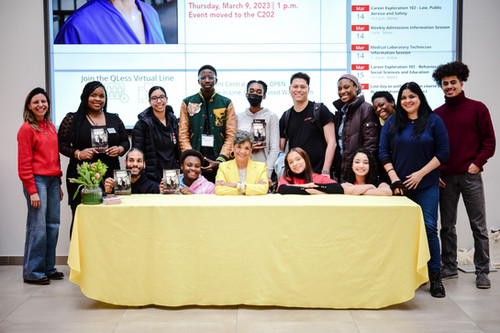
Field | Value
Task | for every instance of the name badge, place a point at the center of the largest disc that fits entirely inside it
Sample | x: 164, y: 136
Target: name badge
x: 207, y: 140
x: 111, y: 130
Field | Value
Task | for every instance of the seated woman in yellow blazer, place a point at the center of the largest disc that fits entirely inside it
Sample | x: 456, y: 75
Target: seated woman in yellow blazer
x: 242, y: 176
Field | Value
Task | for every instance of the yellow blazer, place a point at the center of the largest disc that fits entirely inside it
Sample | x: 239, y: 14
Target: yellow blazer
x: 228, y: 172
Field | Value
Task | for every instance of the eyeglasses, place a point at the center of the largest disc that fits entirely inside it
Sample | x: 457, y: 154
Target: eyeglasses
x: 159, y: 98
x: 209, y: 78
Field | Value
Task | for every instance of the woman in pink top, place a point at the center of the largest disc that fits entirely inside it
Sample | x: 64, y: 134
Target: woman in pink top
x: 40, y: 171
x: 192, y: 182
x: 298, y: 177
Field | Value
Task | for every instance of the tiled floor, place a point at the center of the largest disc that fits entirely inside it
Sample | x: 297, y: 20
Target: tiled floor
x: 61, y: 307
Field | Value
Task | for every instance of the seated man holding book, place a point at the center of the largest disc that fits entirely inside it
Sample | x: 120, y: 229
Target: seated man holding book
x: 140, y: 183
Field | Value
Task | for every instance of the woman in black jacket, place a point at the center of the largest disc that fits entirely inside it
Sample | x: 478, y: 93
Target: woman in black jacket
x: 356, y: 124
x: 155, y: 134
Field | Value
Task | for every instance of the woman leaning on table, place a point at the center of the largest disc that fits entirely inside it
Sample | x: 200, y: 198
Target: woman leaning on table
x: 362, y: 176
x: 75, y: 136
x: 40, y: 171
x: 299, y: 178
x: 155, y: 133
x: 414, y: 142
x: 241, y: 175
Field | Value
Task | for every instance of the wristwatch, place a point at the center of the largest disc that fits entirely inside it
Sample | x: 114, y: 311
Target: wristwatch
x: 241, y: 188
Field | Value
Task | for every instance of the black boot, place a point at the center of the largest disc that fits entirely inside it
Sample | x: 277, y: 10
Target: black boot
x: 437, y: 288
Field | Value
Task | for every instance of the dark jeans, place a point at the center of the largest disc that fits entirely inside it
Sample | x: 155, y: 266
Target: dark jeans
x: 471, y: 188
x: 428, y: 200
x: 42, y: 229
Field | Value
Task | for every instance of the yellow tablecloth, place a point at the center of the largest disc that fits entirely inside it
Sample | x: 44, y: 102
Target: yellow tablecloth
x: 325, y: 251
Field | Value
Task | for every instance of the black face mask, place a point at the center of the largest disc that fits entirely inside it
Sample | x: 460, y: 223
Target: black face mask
x: 254, y: 99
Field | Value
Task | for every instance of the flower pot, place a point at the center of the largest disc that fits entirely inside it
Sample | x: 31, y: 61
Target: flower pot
x: 92, y: 195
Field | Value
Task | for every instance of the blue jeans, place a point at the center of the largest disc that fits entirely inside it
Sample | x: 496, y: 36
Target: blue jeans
x: 428, y: 199
x: 42, y: 229
x: 471, y: 188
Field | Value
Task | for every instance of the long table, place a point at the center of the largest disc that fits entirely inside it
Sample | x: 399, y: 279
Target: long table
x: 323, y: 251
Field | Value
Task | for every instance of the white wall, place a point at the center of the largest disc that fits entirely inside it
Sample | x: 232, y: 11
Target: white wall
x: 480, y: 53
x: 23, y: 68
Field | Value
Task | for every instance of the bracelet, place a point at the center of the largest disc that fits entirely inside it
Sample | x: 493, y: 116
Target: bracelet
x: 78, y: 155
x: 391, y: 169
x: 325, y: 172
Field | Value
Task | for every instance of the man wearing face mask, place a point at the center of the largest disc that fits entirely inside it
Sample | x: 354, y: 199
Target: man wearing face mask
x: 263, y: 124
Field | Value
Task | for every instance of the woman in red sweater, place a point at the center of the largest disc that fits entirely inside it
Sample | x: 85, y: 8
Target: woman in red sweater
x: 40, y: 171
x: 299, y: 178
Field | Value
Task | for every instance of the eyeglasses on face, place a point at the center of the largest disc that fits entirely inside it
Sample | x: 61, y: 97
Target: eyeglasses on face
x: 209, y: 78
x: 158, y: 98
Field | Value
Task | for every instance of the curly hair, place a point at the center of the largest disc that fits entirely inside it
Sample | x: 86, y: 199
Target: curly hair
x: 372, y: 175
x: 191, y: 152
x: 241, y: 137
x: 457, y: 68
x: 385, y: 94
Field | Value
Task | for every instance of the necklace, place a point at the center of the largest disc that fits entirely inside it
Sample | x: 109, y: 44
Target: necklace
x: 91, y: 120
x: 243, y: 175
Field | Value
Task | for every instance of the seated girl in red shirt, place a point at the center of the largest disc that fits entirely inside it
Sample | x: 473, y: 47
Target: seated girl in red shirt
x: 298, y: 177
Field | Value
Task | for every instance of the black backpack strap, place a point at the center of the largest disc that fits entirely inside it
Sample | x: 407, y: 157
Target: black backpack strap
x: 316, y: 115
x: 286, y: 120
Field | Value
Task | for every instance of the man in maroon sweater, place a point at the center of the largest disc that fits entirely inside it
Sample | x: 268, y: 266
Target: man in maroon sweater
x: 472, y: 143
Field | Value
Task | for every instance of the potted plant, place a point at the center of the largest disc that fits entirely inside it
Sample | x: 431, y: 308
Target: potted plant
x: 90, y: 175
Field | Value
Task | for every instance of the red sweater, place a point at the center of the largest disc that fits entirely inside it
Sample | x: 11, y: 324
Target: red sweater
x: 470, y: 131
x: 316, y: 179
x: 38, y: 153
